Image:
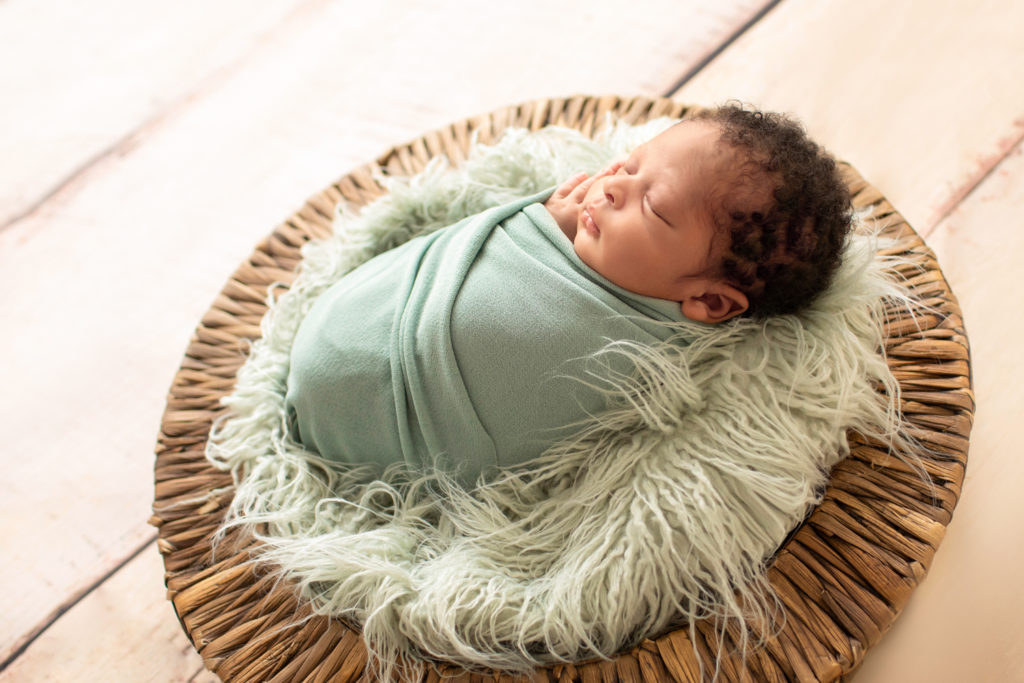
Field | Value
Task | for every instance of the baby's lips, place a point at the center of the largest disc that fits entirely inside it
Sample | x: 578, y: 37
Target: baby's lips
x: 589, y: 223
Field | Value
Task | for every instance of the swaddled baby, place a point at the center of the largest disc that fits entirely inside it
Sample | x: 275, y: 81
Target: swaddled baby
x: 477, y: 347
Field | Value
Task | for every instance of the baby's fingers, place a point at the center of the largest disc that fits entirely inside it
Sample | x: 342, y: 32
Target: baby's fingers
x: 611, y: 170
x: 581, y: 189
x: 566, y: 188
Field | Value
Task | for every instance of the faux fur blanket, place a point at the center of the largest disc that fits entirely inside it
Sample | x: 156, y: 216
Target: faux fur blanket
x: 662, y: 508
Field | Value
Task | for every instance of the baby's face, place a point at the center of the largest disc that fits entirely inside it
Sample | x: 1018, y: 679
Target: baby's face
x: 649, y: 227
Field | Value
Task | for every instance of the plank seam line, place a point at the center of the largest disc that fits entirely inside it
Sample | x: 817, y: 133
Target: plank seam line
x: 199, y: 672
x: 972, y: 184
x: 71, y: 178
x: 33, y: 635
x: 202, y: 88
x: 685, y: 78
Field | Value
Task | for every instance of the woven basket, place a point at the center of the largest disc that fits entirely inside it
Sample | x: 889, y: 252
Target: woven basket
x: 843, y: 576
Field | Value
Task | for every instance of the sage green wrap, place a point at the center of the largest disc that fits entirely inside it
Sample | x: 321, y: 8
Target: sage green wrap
x: 468, y: 349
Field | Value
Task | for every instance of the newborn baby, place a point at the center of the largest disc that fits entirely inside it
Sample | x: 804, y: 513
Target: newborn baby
x: 477, y: 347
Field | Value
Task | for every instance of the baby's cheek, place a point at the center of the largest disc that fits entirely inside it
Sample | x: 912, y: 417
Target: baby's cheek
x: 577, y: 247
x: 585, y: 249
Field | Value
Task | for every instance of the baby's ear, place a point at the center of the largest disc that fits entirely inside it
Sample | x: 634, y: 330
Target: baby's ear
x: 718, y: 302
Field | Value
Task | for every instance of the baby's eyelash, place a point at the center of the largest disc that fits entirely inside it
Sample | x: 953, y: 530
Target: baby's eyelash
x: 653, y: 210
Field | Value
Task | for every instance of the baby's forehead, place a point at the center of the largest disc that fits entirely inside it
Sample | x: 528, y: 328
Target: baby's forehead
x: 738, y: 180
x: 697, y: 143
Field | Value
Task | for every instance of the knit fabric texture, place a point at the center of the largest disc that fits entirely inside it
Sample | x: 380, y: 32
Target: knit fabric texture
x: 469, y: 349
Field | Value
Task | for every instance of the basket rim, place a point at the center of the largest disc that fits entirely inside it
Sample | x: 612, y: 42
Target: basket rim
x: 843, y: 575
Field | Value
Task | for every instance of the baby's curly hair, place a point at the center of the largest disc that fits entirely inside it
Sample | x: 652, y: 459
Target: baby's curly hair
x: 786, y: 253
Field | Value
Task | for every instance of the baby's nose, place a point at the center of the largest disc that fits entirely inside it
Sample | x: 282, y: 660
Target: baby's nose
x: 613, y: 191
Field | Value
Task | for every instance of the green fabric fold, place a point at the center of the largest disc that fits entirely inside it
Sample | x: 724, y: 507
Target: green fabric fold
x: 470, y: 349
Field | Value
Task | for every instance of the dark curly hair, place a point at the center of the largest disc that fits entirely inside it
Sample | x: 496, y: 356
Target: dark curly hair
x: 783, y: 250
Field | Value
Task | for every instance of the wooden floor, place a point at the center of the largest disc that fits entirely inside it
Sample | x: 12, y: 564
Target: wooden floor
x: 145, y: 147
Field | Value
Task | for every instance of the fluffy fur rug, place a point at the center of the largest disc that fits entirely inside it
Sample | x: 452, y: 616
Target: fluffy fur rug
x: 664, y: 509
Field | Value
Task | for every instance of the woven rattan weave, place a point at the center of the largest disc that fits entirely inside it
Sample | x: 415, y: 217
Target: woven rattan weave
x: 843, y: 576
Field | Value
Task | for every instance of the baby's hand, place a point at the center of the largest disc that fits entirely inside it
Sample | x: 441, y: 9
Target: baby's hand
x: 564, y: 205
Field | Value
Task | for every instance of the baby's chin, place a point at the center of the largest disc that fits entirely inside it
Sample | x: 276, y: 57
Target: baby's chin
x: 584, y: 251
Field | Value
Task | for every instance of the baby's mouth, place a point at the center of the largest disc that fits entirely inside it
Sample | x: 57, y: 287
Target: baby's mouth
x: 590, y: 224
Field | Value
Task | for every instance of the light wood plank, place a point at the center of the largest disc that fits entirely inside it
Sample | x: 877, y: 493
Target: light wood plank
x: 965, y: 621
x: 922, y: 97
x: 106, y: 280
x: 76, y: 78
x: 123, y: 631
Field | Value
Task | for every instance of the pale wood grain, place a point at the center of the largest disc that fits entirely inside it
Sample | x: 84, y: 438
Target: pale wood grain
x: 125, y: 630
x: 77, y: 77
x: 922, y: 97
x: 106, y: 279
x: 966, y: 620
